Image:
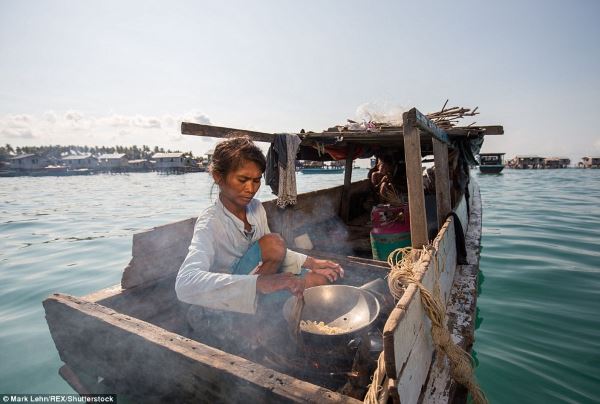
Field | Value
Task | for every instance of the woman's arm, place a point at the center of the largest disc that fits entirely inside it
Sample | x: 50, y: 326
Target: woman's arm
x: 294, y: 261
x: 195, y: 284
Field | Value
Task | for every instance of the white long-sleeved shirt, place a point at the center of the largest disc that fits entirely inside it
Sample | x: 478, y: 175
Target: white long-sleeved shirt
x: 218, y: 243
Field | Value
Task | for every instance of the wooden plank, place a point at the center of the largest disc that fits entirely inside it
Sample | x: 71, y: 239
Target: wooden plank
x: 411, y: 338
x: 144, y: 301
x: 414, y: 174
x: 163, y: 236
x: 146, y: 362
x: 473, y: 130
x: 387, y: 136
x: 426, y: 125
x: 345, y: 208
x: 196, y: 129
x: 442, y: 181
x: 407, y: 333
x: 158, y: 252
x: 461, y: 310
x: 445, y: 244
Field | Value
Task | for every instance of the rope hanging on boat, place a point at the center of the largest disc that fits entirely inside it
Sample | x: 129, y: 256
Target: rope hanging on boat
x: 402, y: 264
x: 378, y: 392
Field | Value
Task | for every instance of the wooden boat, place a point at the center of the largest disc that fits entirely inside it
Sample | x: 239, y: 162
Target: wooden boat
x: 491, y: 163
x: 133, y: 339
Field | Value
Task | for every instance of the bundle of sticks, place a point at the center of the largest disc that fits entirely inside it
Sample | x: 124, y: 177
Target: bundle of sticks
x: 448, y: 118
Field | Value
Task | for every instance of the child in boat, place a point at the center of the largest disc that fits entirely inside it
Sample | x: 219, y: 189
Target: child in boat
x: 233, y: 256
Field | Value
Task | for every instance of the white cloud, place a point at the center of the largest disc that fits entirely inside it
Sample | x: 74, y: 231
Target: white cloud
x: 17, y: 133
x: 146, y: 121
x: 17, y: 121
x: 117, y: 121
x: 76, y: 127
x: 72, y: 115
x: 194, y: 117
x: 50, y: 117
x: 168, y: 120
x: 77, y: 121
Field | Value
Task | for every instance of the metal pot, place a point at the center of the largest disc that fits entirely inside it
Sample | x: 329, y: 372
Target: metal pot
x: 348, y: 307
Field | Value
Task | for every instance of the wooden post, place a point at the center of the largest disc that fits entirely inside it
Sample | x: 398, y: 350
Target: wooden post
x: 345, y: 208
x: 414, y: 175
x: 442, y: 181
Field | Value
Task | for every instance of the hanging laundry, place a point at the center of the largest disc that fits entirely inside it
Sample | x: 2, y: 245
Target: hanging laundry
x: 280, y: 173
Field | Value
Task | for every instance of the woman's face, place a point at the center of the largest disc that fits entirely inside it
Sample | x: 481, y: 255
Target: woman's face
x: 240, y: 186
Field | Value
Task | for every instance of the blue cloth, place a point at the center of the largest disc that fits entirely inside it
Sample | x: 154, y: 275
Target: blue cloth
x: 249, y: 260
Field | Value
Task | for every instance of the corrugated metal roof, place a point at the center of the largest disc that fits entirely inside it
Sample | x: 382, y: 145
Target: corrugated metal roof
x: 22, y: 156
x: 77, y: 157
x: 110, y: 156
x: 166, y: 155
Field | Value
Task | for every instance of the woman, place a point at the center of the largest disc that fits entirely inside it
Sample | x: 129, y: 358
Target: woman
x: 233, y: 255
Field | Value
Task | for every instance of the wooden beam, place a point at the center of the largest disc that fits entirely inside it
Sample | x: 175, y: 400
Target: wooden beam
x: 414, y: 175
x: 442, y: 181
x: 425, y: 124
x: 142, y: 360
x: 467, y: 130
x: 345, y: 208
x: 196, y: 129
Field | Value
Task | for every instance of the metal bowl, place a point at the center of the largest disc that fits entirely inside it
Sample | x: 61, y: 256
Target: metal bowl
x: 344, y: 306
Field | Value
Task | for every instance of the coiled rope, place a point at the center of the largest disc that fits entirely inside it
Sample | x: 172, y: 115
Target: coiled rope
x: 402, y: 273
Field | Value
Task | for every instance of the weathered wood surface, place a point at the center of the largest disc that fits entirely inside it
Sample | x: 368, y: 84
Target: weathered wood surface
x: 408, y: 348
x: 414, y: 175
x: 388, y: 136
x: 312, y: 209
x: 141, y: 360
x: 416, y: 118
x: 461, y: 131
x: 196, y: 129
x: 442, y: 181
x: 158, y: 252
x: 461, y: 309
x: 148, y: 301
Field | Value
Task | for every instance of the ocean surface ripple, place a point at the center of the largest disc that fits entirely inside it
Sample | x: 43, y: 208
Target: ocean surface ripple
x: 538, y: 339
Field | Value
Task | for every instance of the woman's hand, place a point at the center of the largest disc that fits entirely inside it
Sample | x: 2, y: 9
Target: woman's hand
x: 272, y: 283
x: 329, y: 269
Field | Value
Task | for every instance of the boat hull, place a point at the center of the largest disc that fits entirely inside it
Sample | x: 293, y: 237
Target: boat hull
x: 491, y: 169
x: 322, y: 170
x: 135, y: 336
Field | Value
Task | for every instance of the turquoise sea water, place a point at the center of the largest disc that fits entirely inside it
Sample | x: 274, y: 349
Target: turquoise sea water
x: 539, y: 304
x: 539, y: 333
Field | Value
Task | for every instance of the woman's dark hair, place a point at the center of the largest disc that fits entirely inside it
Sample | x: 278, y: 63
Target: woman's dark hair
x: 231, y: 153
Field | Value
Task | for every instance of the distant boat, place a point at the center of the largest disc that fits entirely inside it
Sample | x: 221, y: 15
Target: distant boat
x: 491, y: 163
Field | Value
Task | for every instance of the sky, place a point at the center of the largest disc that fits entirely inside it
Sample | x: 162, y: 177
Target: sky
x: 128, y: 72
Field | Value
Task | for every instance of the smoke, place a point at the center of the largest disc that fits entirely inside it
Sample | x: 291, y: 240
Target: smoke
x: 380, y: 112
